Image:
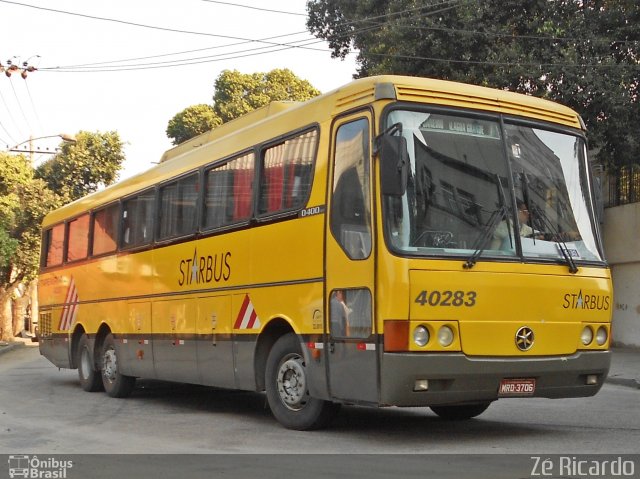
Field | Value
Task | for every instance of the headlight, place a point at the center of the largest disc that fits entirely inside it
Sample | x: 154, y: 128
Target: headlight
x: 601, y: 336
x: 420, y: 336
x: 587, y: 335
x: 445, y: 336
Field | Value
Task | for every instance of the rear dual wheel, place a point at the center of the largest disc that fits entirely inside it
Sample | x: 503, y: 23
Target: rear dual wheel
x: 115, y: 383
x: 90, y: 378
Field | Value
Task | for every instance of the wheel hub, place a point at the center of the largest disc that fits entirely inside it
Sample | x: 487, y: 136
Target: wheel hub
x: 86, y: 366
x: 110, y: 368
x: 292, y: 383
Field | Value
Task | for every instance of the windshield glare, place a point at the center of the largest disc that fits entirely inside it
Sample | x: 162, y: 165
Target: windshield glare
x: 475, y: 188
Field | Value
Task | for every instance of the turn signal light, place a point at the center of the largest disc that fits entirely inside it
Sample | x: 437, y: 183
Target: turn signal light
x: 396, y: 336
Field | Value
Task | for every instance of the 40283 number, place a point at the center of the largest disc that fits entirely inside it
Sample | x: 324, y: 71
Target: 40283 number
x: 447, y: 298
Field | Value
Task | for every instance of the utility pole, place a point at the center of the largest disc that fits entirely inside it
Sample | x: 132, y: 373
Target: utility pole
x: 65, y: 137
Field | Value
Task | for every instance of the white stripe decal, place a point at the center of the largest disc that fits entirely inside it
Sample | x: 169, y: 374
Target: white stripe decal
x: 70, y: 309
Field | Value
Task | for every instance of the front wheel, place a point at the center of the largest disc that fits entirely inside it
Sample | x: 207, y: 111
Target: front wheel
x: 90, y: 378
x: 287, y: 388
x: 115, y: 384
x: 462, y: 412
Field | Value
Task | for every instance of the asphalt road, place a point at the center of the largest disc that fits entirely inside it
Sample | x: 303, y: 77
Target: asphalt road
x: 44, y: 411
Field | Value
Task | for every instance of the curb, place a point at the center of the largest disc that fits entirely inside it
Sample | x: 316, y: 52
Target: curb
x: 627, y: 382
x: 6, y: 347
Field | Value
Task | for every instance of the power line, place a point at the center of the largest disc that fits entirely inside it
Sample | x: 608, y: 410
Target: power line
x: 162, y: 55
x: 13, y: 120
x: 517, y: 37
x: 15, y: 93
x: 135, y: 24
x: 255, y: 8
x: 33, y: 105
x: 176, y: 64
x: 515, y: 63
x: 272, y: 46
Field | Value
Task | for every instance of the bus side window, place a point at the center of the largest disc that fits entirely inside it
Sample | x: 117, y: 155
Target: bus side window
x: 137, y: 216
x: 178, y: 203
x: 228, y: 192
x: 105, y: 228
x: 286, y: 172
x: 78, y: 242
x: 350, y: 210
x: 53, y: 244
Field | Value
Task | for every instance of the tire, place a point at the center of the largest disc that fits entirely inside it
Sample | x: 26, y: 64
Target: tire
x: 287, y: 391
x: 90, y: 377
x: 115, y: 384
x: 460, y: 413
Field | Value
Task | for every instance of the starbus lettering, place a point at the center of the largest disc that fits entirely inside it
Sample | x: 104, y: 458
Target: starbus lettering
x: 586, y: 301
x: 205, y: 269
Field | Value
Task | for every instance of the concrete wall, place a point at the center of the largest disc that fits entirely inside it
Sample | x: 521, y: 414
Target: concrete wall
x: 622, y: 249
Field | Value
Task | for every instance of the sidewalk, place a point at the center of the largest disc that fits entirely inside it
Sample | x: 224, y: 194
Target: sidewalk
x: 625, y: 367
x: 5, y: 347
x: 625, y: 362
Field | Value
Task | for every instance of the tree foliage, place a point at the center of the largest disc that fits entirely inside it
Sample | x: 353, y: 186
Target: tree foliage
x: 91, y: 162
x: 582, y: 53
x: 192, y: 121
x: 235, y: 95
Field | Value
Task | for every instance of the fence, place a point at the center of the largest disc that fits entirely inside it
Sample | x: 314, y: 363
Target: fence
x: 624, y: 186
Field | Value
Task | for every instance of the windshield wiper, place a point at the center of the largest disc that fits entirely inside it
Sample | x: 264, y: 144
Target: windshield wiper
x: 481, y: 243
x: 561, y: 244
x: 535, y: 211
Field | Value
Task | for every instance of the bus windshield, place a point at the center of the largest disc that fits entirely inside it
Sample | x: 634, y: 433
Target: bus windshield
x: 477, y: 187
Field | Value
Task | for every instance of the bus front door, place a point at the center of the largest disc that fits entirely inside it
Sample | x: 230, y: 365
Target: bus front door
x: 349, y: 289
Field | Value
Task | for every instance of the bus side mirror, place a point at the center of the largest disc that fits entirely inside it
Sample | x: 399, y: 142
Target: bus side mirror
x: 598, y: 199
x: 394, y: 164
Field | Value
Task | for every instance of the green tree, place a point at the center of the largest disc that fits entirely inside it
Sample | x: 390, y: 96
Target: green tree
x: 582, y: 53
x: 235, y: 95
x: 192, y: 121
x: 91, y: 162
x: 24, y: 200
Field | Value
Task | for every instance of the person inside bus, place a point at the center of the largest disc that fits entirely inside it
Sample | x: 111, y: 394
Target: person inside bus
x: 339, y: 314
x: 504, y: 229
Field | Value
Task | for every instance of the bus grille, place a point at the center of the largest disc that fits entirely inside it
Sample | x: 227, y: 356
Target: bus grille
x: 44, y: 325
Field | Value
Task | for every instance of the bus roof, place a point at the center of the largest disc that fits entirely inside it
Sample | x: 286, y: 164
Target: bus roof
x: 276, y: 119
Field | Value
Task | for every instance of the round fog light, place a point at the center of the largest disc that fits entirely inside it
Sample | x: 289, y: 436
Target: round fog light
x: 420, y: 336
x: 445, y: 336
x: 601, y: 336
x: 587, y: 336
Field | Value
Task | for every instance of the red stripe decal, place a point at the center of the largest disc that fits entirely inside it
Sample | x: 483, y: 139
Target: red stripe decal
x: 243, y: 310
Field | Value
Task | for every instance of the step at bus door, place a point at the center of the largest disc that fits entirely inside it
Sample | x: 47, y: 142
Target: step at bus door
x: 349, y: 261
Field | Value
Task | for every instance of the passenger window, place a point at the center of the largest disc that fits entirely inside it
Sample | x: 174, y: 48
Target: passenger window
x: 105, y: 227
x: 178, y: 203
x: 78, y: 242
x: 137, y: 220
x: 286, y: 174
x: 229, y: 192
x: 350, y: 204
x: 54, y: 243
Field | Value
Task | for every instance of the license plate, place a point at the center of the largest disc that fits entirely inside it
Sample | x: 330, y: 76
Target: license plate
x: 517, y: 387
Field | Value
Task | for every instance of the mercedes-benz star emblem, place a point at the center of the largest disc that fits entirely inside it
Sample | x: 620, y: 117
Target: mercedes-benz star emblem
x: 524, y: 338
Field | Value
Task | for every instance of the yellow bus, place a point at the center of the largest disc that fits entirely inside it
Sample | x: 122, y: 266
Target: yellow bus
x: 399, y: 241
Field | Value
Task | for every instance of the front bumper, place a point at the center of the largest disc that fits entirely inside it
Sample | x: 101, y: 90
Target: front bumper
x: 457, y: 379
